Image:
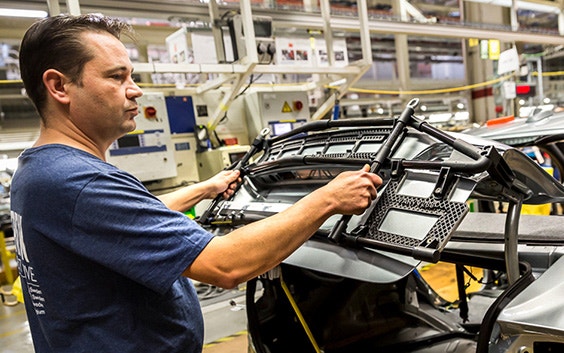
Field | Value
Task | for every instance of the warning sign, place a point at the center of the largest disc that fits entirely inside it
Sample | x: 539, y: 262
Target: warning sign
x: 286, y: 108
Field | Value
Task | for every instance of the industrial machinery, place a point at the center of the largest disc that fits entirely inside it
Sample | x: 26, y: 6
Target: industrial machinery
x: 213, y: 161
x: 262, y: 26
x: 147, y: 152
x: 355, y: 285
x: 281, y: 112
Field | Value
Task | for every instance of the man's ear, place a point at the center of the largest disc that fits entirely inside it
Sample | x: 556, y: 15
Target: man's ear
x: 55, y: 83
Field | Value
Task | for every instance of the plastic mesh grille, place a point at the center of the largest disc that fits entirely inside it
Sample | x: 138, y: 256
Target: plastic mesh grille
x: 353, y: 137
x: 449, y: 215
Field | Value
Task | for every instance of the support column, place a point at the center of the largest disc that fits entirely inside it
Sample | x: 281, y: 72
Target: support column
x: 561, y: 22
x: 73, y: 7
x: 465, y: 61
x: 513, y: 16
x: 402, y: 50
x: 480, y: 70
x: 54, y: 8
x: 482, y: 99
x: 310, y: 5
x: 402, y: 62
x: 217, y: 32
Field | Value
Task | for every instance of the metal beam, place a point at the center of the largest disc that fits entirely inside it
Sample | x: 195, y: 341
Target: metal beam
x: 287, y: 19
x: 533, y: 5
x: 303, y: 20
x: 241, y: 69
x: 423, y: 29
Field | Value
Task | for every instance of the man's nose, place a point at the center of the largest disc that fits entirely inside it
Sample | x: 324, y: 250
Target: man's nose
x: 134, y: 91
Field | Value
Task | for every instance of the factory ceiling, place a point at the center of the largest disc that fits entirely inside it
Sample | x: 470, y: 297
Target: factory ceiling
x: 426, y: 41
x: 443, y: 10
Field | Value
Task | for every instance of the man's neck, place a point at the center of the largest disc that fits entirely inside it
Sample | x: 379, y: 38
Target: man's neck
x: 49, y: 136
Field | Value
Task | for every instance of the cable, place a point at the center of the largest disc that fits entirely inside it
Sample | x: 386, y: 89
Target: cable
x: 432, y: 91
x: 251, y: 80
x: 299, y: 315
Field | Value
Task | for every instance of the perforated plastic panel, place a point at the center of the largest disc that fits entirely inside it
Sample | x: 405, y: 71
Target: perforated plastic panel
x: 449, y: 214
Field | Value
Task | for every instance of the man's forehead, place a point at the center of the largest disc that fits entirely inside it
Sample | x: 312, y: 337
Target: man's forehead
x: 100, y: 37
x: 108, y: 49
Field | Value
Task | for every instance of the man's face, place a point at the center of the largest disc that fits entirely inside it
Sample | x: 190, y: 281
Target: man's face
x: 102, y: 106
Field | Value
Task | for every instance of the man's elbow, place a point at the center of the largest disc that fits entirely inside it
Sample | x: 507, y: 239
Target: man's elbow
x: 222, y: 279
x: 229, y: 282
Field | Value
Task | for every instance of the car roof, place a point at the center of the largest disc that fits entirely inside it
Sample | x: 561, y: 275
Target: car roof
x: 521, y: 131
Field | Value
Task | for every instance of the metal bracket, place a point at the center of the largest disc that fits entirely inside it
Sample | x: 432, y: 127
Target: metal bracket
x: 443, y: 182
x: 397, y: 169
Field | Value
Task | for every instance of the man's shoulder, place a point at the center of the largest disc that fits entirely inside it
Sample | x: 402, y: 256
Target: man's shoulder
x: 63, y: 157
x: 61, y: 165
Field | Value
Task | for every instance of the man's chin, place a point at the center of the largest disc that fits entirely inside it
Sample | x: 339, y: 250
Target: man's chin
x: 131, y: 126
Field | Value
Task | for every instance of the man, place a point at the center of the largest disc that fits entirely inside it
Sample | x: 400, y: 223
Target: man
x: 104, y: 263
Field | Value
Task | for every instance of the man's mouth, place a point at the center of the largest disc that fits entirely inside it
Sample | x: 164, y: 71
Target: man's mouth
x: 134, y: 110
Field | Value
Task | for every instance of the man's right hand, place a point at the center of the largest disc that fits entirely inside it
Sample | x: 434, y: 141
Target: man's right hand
x: 353, y: 191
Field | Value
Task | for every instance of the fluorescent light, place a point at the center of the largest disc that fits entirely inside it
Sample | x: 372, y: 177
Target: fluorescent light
x: 22, y: 13
x: 440, y: 118
x: 544, y: 6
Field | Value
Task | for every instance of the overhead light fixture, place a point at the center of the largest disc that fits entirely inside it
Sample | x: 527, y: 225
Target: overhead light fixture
x: 23, y: 13
x: 532, y: 5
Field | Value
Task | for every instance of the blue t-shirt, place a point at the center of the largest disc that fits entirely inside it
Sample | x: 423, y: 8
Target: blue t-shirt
x: 101, y: 258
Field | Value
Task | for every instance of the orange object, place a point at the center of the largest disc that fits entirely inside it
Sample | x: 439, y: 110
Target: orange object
x: 231, y: 141
x: 500, y: 120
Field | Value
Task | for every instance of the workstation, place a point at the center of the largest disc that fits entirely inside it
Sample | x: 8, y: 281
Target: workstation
x: 456, y: 106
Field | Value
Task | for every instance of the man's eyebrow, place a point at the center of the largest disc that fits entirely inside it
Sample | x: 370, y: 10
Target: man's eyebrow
x: 116, y: 69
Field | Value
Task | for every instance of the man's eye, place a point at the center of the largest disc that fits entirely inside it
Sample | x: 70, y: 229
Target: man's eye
x: 116, y: 77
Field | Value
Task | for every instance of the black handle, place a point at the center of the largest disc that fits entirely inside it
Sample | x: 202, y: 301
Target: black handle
x: 256, y: 146
x: 383, y: 153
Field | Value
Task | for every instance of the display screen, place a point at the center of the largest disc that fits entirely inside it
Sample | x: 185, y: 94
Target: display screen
x: 235, y: 156
x: 409, y: 224
x: 129, y: 141
x: 263, y: 29
x: 202, y: 110
x: 281, y: 128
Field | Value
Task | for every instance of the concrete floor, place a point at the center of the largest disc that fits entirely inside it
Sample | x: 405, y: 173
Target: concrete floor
x: 224, y: 319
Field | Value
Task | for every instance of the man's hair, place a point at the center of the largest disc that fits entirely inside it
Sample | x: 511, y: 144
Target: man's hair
x: 56, y: 43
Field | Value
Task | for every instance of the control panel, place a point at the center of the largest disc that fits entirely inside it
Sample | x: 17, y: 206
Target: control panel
x: 279, y: 111
x: 264, y: 42
x: 147, y: 152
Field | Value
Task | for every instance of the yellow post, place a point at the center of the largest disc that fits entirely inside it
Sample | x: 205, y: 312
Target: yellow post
x: 6, y: 255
